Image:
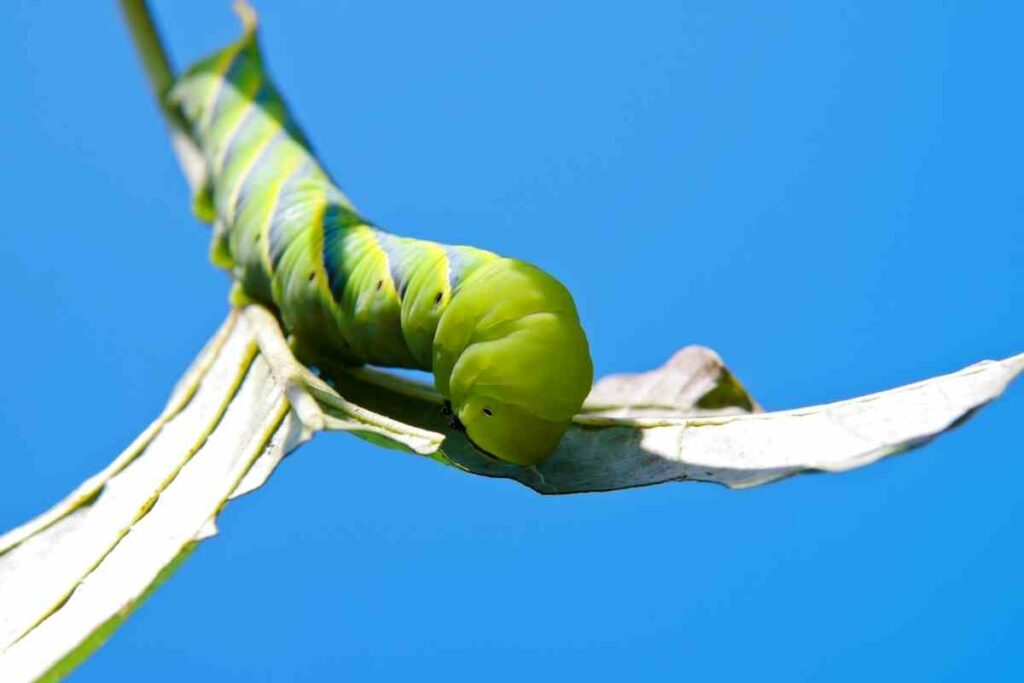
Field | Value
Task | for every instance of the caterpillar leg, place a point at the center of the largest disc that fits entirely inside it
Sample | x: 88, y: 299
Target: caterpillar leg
x: 307, y: 393
x: 220, y: 250
x: 296, y: 378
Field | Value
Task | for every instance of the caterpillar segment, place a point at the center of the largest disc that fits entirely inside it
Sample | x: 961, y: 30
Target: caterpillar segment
x: 502, y: 337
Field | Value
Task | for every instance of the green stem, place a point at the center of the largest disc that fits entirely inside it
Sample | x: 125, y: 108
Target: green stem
x: 160, y: 73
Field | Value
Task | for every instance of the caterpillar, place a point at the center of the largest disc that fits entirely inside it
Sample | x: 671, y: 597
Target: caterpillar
x: 502, y: 337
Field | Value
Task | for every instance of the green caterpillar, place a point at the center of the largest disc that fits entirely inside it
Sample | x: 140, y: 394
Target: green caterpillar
x: 502, y: 338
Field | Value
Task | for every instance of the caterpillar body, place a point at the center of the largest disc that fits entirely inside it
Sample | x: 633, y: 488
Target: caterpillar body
x: 501, y: 337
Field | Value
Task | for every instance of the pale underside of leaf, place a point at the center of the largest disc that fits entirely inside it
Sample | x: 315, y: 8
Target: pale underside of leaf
x: 79, y: 569
x: 72, y: 575
x: 691, y: 420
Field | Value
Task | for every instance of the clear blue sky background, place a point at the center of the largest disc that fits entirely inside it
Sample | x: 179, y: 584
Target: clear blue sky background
x: 827, y: 193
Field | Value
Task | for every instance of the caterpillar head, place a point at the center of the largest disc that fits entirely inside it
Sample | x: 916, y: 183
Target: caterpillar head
x: 510, y: 355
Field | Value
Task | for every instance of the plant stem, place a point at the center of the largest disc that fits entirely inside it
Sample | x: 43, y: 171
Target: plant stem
x: 160, y: 73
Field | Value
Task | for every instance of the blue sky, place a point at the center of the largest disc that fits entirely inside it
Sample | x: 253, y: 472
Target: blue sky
x: 827, y: 193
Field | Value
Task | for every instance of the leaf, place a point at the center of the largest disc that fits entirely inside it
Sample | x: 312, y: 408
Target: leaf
x: 691, y: 420
x: 693, y: 381
x: 741, y: 451
x: 70, y: 577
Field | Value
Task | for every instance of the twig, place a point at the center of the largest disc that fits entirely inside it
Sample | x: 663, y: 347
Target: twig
x: 160, y: 73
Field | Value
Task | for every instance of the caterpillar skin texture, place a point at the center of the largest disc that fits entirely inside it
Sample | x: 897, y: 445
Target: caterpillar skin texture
x: 502, y: 337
